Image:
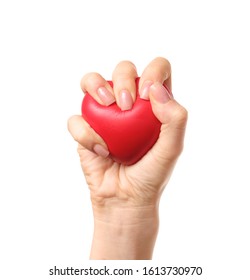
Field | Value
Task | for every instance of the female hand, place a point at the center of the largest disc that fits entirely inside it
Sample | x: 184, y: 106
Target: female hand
x: 125, y: 198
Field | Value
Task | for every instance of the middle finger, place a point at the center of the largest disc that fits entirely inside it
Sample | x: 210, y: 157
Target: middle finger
x: 124, y: 84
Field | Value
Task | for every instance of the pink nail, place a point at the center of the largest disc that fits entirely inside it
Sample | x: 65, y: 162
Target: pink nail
x: 125, y: 100
x: 100, y: 150
x: 144, y: 92
x: 106, y: 96
x: 160, y: 93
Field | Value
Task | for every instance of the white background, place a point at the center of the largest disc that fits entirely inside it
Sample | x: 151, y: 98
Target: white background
x: 45, y: 49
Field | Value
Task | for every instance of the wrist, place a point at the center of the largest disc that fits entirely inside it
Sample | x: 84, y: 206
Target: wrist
x: 124, y: 233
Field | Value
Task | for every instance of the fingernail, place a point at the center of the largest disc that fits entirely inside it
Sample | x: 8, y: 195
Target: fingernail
x: 100, y: 150
x: 106, y: 96
x: 160, y: 93
x: 144, y: 92
x: 125, y: 100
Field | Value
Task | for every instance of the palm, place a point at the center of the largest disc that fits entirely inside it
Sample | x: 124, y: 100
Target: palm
x: 108, y: 179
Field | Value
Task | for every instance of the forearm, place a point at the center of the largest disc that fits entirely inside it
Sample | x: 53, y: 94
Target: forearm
x: 124, y: 233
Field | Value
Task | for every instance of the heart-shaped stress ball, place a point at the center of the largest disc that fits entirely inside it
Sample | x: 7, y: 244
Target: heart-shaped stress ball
x: 130, y: 134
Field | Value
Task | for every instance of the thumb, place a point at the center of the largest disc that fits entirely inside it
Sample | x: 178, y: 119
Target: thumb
x: 86, y: 136
x: 173, y: 118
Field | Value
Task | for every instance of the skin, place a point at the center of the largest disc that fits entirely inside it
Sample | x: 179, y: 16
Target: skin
x: 125, y: 199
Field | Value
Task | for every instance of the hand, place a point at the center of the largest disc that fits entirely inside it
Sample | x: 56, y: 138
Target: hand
x: 128, y: 196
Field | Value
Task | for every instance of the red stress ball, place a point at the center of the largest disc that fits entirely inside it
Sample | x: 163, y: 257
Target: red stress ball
x: 129, y: 134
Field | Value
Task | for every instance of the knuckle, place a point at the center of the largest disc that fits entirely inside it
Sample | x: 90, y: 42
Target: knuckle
x: 159, y: 69
x: 90, y: 78
x: 181, y: 117
x: 163, y: 61
x: 124, y: 68
x: 126, y: 63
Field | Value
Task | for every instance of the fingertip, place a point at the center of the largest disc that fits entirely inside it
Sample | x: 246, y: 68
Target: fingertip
x: 94, y: 84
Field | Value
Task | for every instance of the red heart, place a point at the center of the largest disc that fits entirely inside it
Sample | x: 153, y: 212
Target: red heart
x: 130, y: 134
